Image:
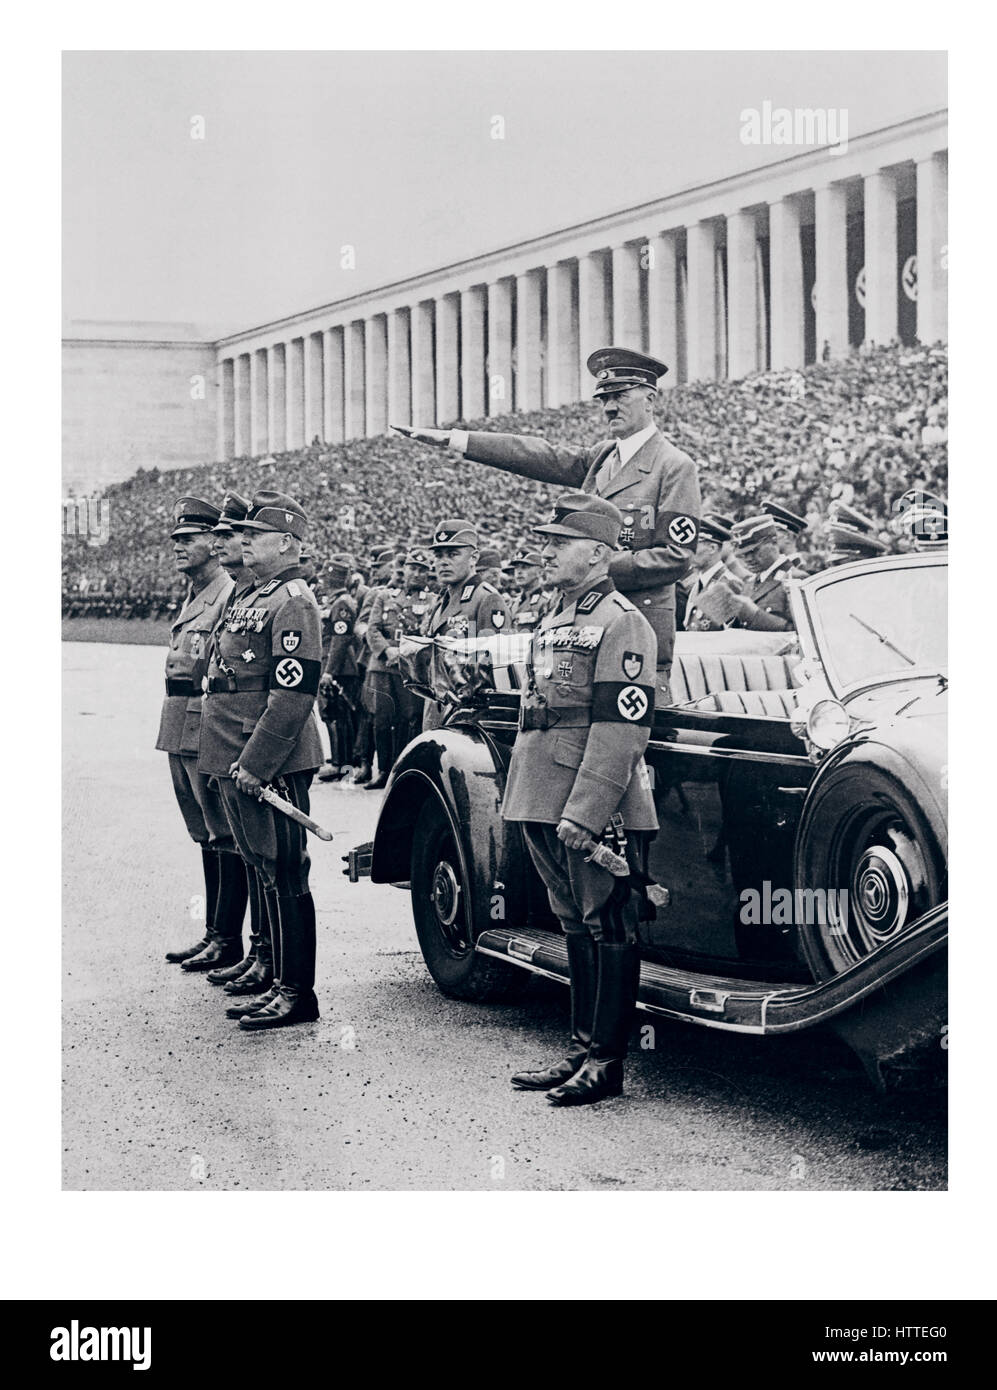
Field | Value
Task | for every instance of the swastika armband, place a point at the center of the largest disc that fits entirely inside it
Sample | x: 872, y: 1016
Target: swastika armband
x: 619, y: 702
x: 295, y: 673
x: 681, y: 528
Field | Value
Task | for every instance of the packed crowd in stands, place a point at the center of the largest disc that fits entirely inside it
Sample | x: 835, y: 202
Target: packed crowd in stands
x: 859, y: 430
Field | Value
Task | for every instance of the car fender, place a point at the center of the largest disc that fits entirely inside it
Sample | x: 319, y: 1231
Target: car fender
x: 465, y: 772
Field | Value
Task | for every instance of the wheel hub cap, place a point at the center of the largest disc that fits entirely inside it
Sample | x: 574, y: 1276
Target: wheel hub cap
x: 882, y: 893
x: 446, y: 893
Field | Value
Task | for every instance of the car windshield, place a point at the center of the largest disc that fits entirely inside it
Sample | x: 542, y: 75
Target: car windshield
x: 883, y: 625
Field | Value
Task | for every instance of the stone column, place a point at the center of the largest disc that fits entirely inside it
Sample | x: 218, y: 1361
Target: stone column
x: 276, y: 398
x: 561, y: 354
x: 499, y: 360
x: 880, y: 221
x: 595, y: 329
x: 662, y: 304
x: 242, y: 404
x: 333, y: 403
x: 701, y: 303
x: 472, y: 352
x: 226, y: 408
x: 447, y: 359
x: 399, y: 369
x: 313, y: 409
x: 786, y: 284
x: 354, y: 380
x: 529, y: 342
x: 627, y: 328
x: 376, y: 375
x: 294, y: 378
x: 423, y: 374
x: 932, y: 248
x: 258, y: 443
x: 830, y: 233
x: 742, y: 295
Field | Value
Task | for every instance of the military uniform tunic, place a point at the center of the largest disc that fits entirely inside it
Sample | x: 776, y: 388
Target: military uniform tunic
x: 585, y: 720
x: 657, y: 490
x: 768, y: 591
x: 180, y: 720
x: 465, y: 610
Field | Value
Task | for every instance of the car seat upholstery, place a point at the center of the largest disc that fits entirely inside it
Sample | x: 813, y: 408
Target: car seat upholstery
x: 696, y: 675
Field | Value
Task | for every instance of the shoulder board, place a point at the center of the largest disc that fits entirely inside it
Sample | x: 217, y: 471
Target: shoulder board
x: 489, y: 588
x: 466, y: 592
x: 624, y: 603
x: 293, y: 589
x: 269, y: 588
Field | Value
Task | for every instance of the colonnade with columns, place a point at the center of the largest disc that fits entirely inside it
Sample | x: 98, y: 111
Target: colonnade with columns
x: 762, y: 282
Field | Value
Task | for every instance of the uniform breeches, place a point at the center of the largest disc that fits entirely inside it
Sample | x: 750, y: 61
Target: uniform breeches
x: 583, y: 897
x: 200, y: 804
x: 271, y: 842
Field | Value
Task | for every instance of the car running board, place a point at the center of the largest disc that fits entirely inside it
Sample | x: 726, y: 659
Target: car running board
x: 739, y: 1006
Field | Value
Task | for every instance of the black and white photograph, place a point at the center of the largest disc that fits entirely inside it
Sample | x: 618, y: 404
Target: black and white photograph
x: 504, y: 621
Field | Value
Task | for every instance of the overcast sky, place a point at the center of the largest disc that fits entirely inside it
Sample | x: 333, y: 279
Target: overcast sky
x: 393, y: 153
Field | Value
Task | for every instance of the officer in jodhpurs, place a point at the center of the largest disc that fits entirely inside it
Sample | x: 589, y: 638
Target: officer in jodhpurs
x: 259, y: 730
x: 225, y: 888
x: 577, y: 774
x: 254, y: 972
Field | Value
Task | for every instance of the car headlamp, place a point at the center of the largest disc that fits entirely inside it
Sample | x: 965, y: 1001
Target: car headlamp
x: 827, y: 724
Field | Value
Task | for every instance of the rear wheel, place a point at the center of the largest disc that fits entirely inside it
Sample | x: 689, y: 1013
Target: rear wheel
x: 866, y: 844
x: 443, y: 912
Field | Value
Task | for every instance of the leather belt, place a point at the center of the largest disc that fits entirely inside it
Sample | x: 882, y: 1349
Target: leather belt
x: 568, y: 717
x: 232, y: 685
x: 180, y: 685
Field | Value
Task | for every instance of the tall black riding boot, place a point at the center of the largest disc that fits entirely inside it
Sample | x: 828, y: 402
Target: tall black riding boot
x: 258, y: 974
x: 225, y: 945
x: 583, y: 968
x: 296, y: 1002
x: 271, y: 926
x: 209, y: 863
x: 601, y: 1075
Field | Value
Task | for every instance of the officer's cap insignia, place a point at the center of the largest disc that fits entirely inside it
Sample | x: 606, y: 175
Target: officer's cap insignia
x: 288, y: 516
x: 290, y: 641
x: 633, y: 664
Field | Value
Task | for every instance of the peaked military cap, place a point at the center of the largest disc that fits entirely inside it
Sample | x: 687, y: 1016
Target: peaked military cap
x: 753, y: 530
x: 616, y: 369
x: 489, y: 559
x: 454, y: 531
x: 583, y: 514
x: 851, y: 543
x: 783, y: 517
x: 525, y: 557
x: 841, y: 513
x: 274, y: 511
x: 234, y: 508
x: 337, y: 573
x: 715, y: 528
x: 192, y: 515
x: 418, y: 556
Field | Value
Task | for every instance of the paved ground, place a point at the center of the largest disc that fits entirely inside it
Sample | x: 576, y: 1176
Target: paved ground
x: 396, y: 1087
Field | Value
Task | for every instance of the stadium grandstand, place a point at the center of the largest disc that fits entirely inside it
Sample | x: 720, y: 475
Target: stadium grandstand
x: 859, y: 429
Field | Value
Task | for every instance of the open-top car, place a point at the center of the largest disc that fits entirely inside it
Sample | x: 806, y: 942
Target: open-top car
x: 799, y: 872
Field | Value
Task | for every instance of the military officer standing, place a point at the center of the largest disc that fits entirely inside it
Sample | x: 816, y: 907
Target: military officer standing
x: 764, y: 604
x: 225, y: 888
x: 339, y: 685
x: 653, y: 483
x: 397, y: 712
x: 254, y: 972
x: 852, y: 536
x: 708, y: 568
x: 466, y: 605
x: 577, y: 771
x: 259, y: 729
x: 534, y: 596
x: 363, y: 754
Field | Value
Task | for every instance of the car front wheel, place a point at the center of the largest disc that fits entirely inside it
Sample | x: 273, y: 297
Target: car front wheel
x: 444, y: 918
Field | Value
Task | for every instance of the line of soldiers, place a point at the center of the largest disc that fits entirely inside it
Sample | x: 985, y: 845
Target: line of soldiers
x: 242, y: 674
